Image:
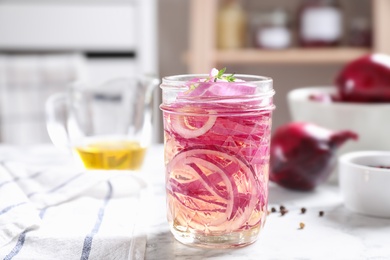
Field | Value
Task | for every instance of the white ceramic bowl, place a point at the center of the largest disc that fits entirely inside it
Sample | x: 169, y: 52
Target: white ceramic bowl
x: 365, y: 188
x: 370, y: 121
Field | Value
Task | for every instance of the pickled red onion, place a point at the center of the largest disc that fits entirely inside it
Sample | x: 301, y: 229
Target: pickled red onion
x: 181, y: 124
x: 240, y: 203
x: 221, y: 89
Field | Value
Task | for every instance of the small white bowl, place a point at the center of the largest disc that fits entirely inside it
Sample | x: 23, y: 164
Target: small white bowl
x: 364, y: 186
x: 370, y: 121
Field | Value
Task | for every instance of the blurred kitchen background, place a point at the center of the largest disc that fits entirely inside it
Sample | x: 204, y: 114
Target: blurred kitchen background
x: 45, y: 44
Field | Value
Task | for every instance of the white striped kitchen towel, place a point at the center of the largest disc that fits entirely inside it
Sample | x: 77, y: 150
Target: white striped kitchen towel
x: 50, y: 209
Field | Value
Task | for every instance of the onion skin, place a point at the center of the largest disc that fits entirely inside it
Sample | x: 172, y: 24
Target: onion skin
x: 303, y: 154
x: 365, y: 80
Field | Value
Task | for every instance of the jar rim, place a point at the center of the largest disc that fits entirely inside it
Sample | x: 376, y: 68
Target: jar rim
x: 182, y: 79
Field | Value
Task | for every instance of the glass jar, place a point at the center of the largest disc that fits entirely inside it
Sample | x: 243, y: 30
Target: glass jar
x: 231, y: 25
x: 360, y: 33
x: 271, y: 30
x: 320, y: 23
x: 216, y: 153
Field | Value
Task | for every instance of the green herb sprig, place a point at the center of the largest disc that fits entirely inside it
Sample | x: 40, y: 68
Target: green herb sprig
x: 214, y: 76
x: 220, y: 75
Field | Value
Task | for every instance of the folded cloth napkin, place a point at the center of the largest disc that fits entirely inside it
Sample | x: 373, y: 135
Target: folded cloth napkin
x: 50, y: 209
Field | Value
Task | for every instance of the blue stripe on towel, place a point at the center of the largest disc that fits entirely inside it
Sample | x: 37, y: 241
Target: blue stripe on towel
x: 21, y: 239
x: 10, y: 181
x: 43, y: 212
x: 18, y: 246
x: 5, y: 210
x: 15, y: 179
x: 59, y: 186
x: 88, y: 239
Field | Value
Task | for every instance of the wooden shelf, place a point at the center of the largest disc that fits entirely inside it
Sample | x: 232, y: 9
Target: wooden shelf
x: 293, y: 55
x: 203, y: 54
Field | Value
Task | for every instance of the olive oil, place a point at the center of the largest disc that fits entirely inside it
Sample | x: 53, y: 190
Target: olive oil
x: 112, y: 155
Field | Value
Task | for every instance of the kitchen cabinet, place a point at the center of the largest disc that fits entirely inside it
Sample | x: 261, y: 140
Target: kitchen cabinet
x: 203, y: 52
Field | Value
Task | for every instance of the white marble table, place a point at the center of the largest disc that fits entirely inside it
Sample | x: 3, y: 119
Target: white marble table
x: 338, y: 234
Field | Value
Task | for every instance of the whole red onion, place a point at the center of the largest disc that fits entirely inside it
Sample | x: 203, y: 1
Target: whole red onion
x: 366, y: 79
x: 303, y: 154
